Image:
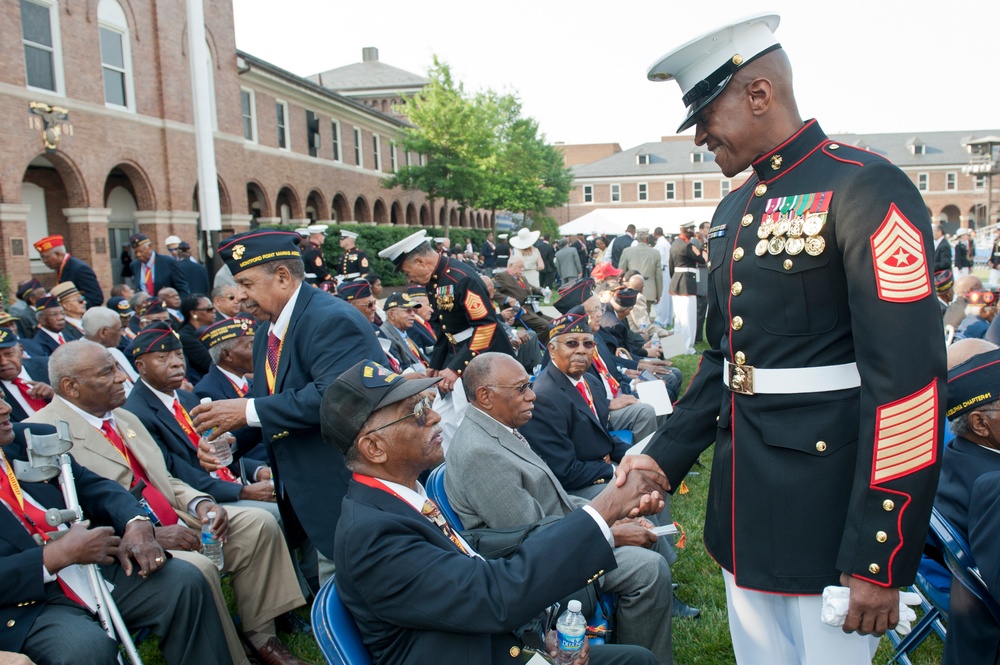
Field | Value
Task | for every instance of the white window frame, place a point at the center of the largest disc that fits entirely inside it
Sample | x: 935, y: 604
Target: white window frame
x: 588, y: 193
x: 120, y: 27
x: 670, y: 191
x: 698, y: 157
x: 337, y: 146
x: 979, y: 184
x: 56, y: 49
x: 923, y: 182
x: 951, y: 181
x: 393, y: 157
x: 359, y: 151
x: 616, y: 193
x: 725, y: 186
x: 252, y: 96
x: 642, y: 191
x: 377, y: 149
x: 697, y: 189
x: 283, y: 130
x: 642, y: 159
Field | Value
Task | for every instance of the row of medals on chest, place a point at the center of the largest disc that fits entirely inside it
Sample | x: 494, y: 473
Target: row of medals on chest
x: 792, y: 234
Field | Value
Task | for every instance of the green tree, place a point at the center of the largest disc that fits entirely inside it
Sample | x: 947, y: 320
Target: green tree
x: 525, y: 174
x: 451, y: 136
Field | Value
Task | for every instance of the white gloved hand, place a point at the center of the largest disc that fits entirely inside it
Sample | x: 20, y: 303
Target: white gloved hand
x: 837, y: 601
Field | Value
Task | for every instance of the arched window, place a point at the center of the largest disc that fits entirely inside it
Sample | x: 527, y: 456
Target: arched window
x: 116, y: 56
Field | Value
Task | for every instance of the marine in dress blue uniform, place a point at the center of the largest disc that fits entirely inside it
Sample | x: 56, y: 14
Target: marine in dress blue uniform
x: 462, y: 308
x: 822, y: 389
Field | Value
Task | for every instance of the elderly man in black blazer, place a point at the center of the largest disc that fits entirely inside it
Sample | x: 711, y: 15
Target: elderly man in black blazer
x: 43, y: 621
x: 419, y: 592
x: 572, y: 411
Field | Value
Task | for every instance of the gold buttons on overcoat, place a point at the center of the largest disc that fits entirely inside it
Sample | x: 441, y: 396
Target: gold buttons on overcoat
x: 760, y: 190
x: 741, y: 358
x: 787, y: 264
x: 874, y: 568
x: 747, y: 220
x: 888, y: 505
x: 821, y: 446
x: 881, y: 536
x: 737, y: 254
x: 736, y: 289
x: 737, y: 322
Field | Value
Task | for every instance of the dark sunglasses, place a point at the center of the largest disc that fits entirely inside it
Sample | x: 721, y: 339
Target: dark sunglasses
x: 419, y: 413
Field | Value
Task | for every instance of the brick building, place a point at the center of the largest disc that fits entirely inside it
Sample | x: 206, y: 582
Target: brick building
x: 107, y: 84
x: 674, y: 172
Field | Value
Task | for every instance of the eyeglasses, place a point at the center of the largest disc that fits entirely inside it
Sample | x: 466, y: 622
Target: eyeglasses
x: 575, y: 343
x: 420, y: 410
x: 521, y: 388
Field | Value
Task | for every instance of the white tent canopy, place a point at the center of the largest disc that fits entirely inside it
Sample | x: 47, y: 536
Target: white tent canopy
x: 613, y: 221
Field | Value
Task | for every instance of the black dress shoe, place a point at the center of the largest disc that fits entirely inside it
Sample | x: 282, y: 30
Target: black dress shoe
x: 684, y: 611
x: 291, y: 622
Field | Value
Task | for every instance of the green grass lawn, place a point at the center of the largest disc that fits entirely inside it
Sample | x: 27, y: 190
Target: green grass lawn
x: 706, y: 641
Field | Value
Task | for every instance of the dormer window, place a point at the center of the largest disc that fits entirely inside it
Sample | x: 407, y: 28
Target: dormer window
x: 642, y: 158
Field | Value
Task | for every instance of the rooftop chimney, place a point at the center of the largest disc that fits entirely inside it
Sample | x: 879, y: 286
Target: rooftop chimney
x: 369, y: 54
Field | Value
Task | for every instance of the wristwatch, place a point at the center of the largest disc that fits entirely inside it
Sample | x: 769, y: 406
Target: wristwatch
x: 138, y: 518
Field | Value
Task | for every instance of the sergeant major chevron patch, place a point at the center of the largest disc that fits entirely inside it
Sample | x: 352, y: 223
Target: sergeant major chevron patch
x: 900, y: 263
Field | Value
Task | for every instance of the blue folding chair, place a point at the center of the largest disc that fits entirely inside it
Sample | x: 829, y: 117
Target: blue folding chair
x: 335, y: 630
x: 435, y: 490
x: 931, y: 621
x: 958, y: 557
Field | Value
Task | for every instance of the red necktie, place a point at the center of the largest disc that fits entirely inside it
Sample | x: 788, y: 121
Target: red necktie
x: 603, y: 369
x: 157, y: 501
x: 273, y: 353
x: 35, y: 403
x: 60, y: 339
x: 184, y: 420
x: 585, y: 393
x: 149, y: 280
x: 393, y: 363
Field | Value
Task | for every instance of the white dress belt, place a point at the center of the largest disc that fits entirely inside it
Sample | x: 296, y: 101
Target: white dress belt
x: 795, y: 379
x: 458, y: 338
x: 694, y: 270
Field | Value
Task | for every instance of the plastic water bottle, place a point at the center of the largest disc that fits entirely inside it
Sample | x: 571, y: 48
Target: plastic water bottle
x: 547, y: 292
x: 571, y: 628
x: 210, y: 545
x: 220, y: 447
x: 655, y: 344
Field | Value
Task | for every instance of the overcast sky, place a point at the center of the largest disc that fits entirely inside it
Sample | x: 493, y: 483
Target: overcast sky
x: 579, y: 66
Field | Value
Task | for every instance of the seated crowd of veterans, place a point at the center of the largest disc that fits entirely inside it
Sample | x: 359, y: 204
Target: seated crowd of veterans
x: 335, y: 406
x: 150, y: 382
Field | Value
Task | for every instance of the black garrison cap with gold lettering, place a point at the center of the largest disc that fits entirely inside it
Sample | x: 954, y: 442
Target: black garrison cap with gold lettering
x: 974, y: 383
x: 254, y: 248
x: 157, y: 336
x: 220, y: 331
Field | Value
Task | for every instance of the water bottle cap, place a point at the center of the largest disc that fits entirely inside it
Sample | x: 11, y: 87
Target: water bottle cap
x: 206, y: 400
x: 211, y: 515
x: 574, y: 606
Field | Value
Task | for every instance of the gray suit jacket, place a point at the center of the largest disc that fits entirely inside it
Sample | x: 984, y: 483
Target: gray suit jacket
x: 647, y: 261
x: 399, y: 347
x: 495, y: 480
x: 568, y: 263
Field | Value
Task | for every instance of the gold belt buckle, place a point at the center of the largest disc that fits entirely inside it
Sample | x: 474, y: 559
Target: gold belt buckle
x: 451, y: 339
x: 741, y: 379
